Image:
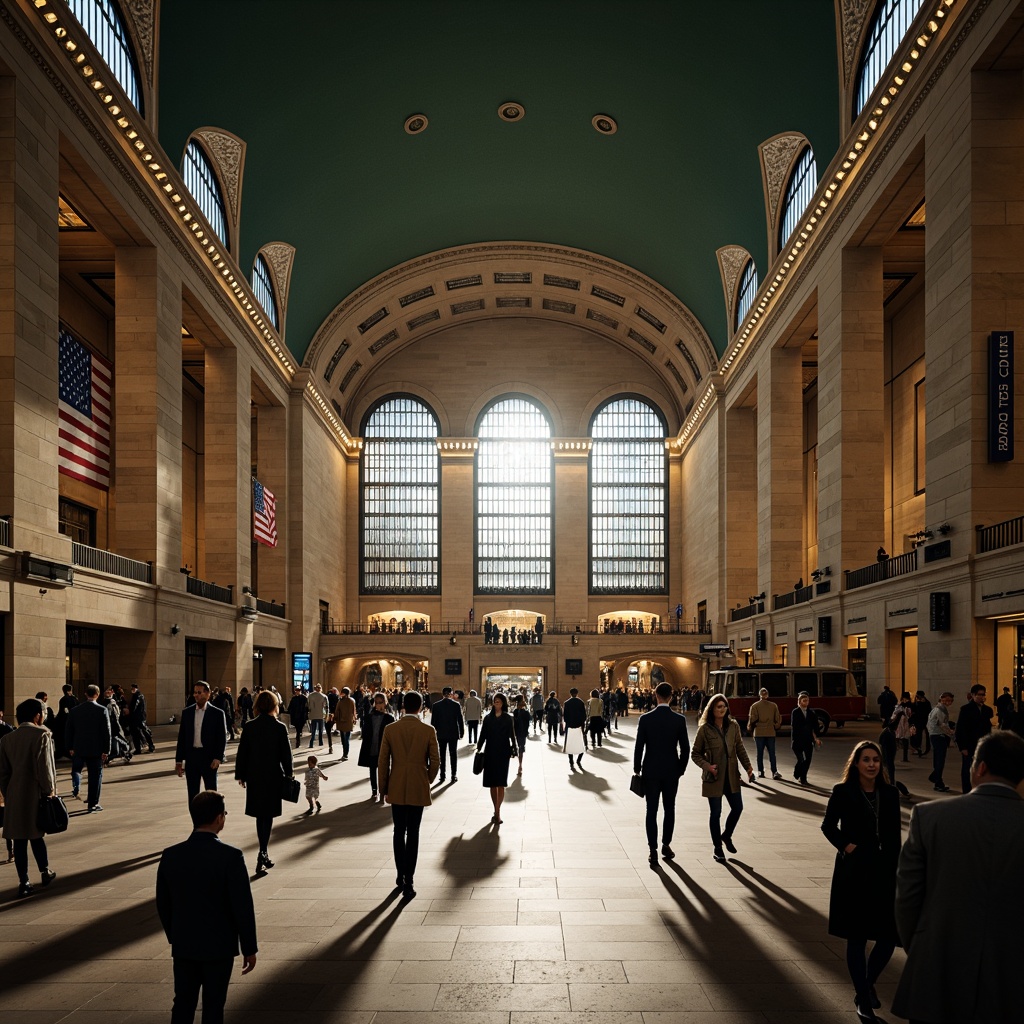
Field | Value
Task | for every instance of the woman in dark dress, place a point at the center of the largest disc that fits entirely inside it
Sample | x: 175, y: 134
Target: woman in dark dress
x: 372, y: 729
x: 262, y: 762
x: 245, y: 705
x: 862, y: 821
x: 498, y: 744
x: 521, y: 719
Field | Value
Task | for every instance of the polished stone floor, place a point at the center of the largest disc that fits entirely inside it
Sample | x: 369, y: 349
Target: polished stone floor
x: 553, y: 918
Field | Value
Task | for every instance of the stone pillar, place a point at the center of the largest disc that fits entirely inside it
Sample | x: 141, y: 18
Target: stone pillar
x: 738, y: 578
x: 458, y: 459
x: 572, y: 531
x: 780, y: 477
x: 270, y: 582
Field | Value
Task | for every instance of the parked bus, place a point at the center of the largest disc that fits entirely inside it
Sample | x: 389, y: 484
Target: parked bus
x: 833, y: 690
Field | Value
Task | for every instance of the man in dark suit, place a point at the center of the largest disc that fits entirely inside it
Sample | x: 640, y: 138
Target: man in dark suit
x: 962, y: 859
x: 574, y: 716
x: 446, y: 718
x: 660, y: 755
x: 973, y: 723
x: 202, y: 737
x: 88, y: 739
x: 137, y: 720
x: 205, y: 905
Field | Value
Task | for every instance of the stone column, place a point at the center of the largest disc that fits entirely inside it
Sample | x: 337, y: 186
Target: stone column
x: 738, y: 572
x: 572, y: 531
x: 458, y: 460
x: 272, y: 471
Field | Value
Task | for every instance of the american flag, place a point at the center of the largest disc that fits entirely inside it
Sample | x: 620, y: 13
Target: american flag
x: 264, y: 514
x: 84, y: 413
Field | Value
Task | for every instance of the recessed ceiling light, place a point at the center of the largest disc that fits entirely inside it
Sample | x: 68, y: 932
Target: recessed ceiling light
x: 416, y: 123
x: 605, y: 124
x: 511, y: 111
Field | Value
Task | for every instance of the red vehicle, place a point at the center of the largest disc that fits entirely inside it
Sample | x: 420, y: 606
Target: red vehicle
x: 832, y: 689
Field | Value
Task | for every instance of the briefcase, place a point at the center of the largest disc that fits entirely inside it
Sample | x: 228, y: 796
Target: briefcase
x: 478, y: 762
x: 290, y: 789
x: 52, y: 816
x: 636, y: 785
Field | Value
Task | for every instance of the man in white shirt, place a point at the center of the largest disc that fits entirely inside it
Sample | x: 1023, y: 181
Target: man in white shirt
x: 202, y: 737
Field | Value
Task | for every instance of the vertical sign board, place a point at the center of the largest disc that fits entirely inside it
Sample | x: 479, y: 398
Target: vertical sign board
x: 1000, y: 396
x: 302, y: 670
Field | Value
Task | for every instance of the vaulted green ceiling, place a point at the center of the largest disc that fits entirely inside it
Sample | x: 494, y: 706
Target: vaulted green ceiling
x: 320, y: 90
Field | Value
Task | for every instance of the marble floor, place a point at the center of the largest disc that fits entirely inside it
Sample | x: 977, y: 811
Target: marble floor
x: 555, y: 917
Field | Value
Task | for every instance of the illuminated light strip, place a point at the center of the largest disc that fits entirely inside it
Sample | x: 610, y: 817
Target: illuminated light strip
x: 124, y: 125
x: 353, y: 444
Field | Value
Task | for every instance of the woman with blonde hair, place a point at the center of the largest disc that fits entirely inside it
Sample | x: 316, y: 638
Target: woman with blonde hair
x: 718, y: 750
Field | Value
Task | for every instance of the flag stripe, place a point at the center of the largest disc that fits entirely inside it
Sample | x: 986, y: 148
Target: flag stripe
x: 84, y: 412
x: 264, y: 515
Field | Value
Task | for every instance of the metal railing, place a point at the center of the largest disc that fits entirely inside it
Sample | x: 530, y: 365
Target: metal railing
x: 1000, y: 535
x: 746, y: 612
x: 107, y: 561
x: 270, y: 608
x: 200, y: 588
x: 800, y: 595
x: 5, y: 531
x: 334, y: 627
x: 889, y: 568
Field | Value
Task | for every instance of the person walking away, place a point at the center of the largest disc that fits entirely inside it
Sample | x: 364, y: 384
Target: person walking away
x: 521, y: 718
x: 595, y: 719
x: 473, y: 711
x: 803, y: 729
x: 204, y: 902
x: 372, y: 731
x: 263, y: 761
x: 904, y: 729
x: 763, y: 722
x: 955, y: 908
x: 574, y: 720
x: 226, y: 702
x: 920, y: 709
x: 940, y: 733
x: 88, y: 737
x: 245, y: 700
x: 718, y: 750
x: 660, y: 755
x: 553, y: 716
x: 862, y: 821
x: 27, y: 774
x: 446, y: 718
x: 345, y: 717
x: 887, y: 702
x: 973, y: 723
x: 137, y: 721
x: 407, y: 765
x: 1004, y: 708
x: 317, y: 705
x: 498, y: 745
x: 537, y: 709
x: 887, y: 744
x: 298, y: 714
x: 312, y: 783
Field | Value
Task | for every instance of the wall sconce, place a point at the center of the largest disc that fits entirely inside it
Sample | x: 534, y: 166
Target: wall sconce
x: 43, y: 590
x: 175, y: 629
x: 575, y: 640
x: 945, y: 529
x: 246, y: 590
x: 452, y: 641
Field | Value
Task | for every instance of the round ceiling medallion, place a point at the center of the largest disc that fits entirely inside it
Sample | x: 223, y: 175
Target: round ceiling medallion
x: 511, y: 111
x: 416, y: 123
x: 605, y: 124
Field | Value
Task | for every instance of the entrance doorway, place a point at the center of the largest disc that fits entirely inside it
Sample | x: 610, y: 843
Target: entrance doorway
x: 512, y: 679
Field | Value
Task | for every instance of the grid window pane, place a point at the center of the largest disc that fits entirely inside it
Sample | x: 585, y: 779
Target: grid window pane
x: 202, y: 183
x: 799, y: 193
x: 263, y: 289
x: 747, y: 292
x: 104, y: 25
x: 891, y: 23
x: 628, y: 513
x: 514, y: 499
x: 401, y: 505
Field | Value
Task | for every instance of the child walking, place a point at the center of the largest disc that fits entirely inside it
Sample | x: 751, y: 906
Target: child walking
x: 313, y: 777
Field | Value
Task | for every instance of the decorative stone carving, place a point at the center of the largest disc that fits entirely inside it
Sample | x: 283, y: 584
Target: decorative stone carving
x: 731, y: 261
x: 143, y: 17
x: 229, y: 153
x: 776, y: 159
x: 280, y: 256
x: 852, y: 15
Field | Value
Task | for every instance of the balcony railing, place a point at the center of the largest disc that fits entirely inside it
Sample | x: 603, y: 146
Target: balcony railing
x: 746, y: 612
x: 800, y: 595
x: 5, y: 531
x: 107, y: 561
x: 1001, y: 535
x: 889, y: 568
x: 335, y: 627
x: 209, y: 590
x: 270, y: 608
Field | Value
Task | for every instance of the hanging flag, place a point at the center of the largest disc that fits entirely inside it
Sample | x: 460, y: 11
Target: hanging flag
x: 264, y: 514
x: 83, y: 448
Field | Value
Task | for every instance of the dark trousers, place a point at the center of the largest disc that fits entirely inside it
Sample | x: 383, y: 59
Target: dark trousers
x: 965, y: 771
x: 299, y: 726
x: 940, y: 745
x: 803, y: 761
x: 449, y: 752
x: 197, y: 769
x: 94, y: 766
x: 316, y: 725
x: 140, y: 734
x: 760, y: 742
x: 665, y: 791
x: 715, y: 815
x: 346, y: 738
x: 373, y: 779
x: 472, y: 726
x: 407, y: 839
x: 21, y: 856
x: 212, y: 977
x: 552, y: 732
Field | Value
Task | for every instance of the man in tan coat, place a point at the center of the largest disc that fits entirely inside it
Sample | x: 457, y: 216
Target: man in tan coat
x: 763, y: 722
x: 345, y: 718
x: 408, y: 764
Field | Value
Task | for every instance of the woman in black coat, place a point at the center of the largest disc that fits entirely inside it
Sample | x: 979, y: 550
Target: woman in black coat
x: 498, y: 744
x: 862, y: 821
x: 553, y: 717
x: 262, y: 762
x: 372, y: 729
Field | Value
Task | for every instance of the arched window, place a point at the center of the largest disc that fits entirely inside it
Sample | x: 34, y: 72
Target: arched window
x: 889, y: 27
x: 202, y: 183
x: 799, y: 192
x: 263, y: 288
x: 514, y: 499
x: 104, y: 25
x: 628, y: 516
x: 401, y: 533
x: 745, y: 294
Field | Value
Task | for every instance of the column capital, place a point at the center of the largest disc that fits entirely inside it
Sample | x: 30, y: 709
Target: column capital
x: 571, y: 447
x: 457, y: 447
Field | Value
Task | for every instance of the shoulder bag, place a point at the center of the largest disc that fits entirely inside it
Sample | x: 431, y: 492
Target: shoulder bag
x: 52, y: 816
x: 290, y: 789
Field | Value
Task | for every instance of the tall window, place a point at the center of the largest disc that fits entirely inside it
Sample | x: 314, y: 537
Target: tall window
x: 104, y: 25
x: 889, y: 27
x: 799, y: 192
x: 627, y: 499
x: 513, y: 504
x: 263, y: 288
x: 746, y: 293
x: 202, y: 183
x: 401, y: 532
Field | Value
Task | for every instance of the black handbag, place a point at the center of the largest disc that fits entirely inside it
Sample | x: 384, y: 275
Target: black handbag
x: 290, y: 789
x: 636, y: 785
x: 478, y: 762
x: 52, y: 816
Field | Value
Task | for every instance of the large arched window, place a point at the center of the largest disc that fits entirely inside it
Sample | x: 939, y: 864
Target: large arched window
x: 401, y: 532
x: 628, y: 515
x: 104, y: 25
x: 263, y: 289
x: 798, y: 195
x: 891, y: 22
x: 745, y: 294
x: 202, y: 183
x: 514, y: 499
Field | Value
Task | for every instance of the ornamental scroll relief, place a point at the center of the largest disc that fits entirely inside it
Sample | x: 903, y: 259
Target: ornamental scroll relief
x: 228, y: 151
x: 731, y: 261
